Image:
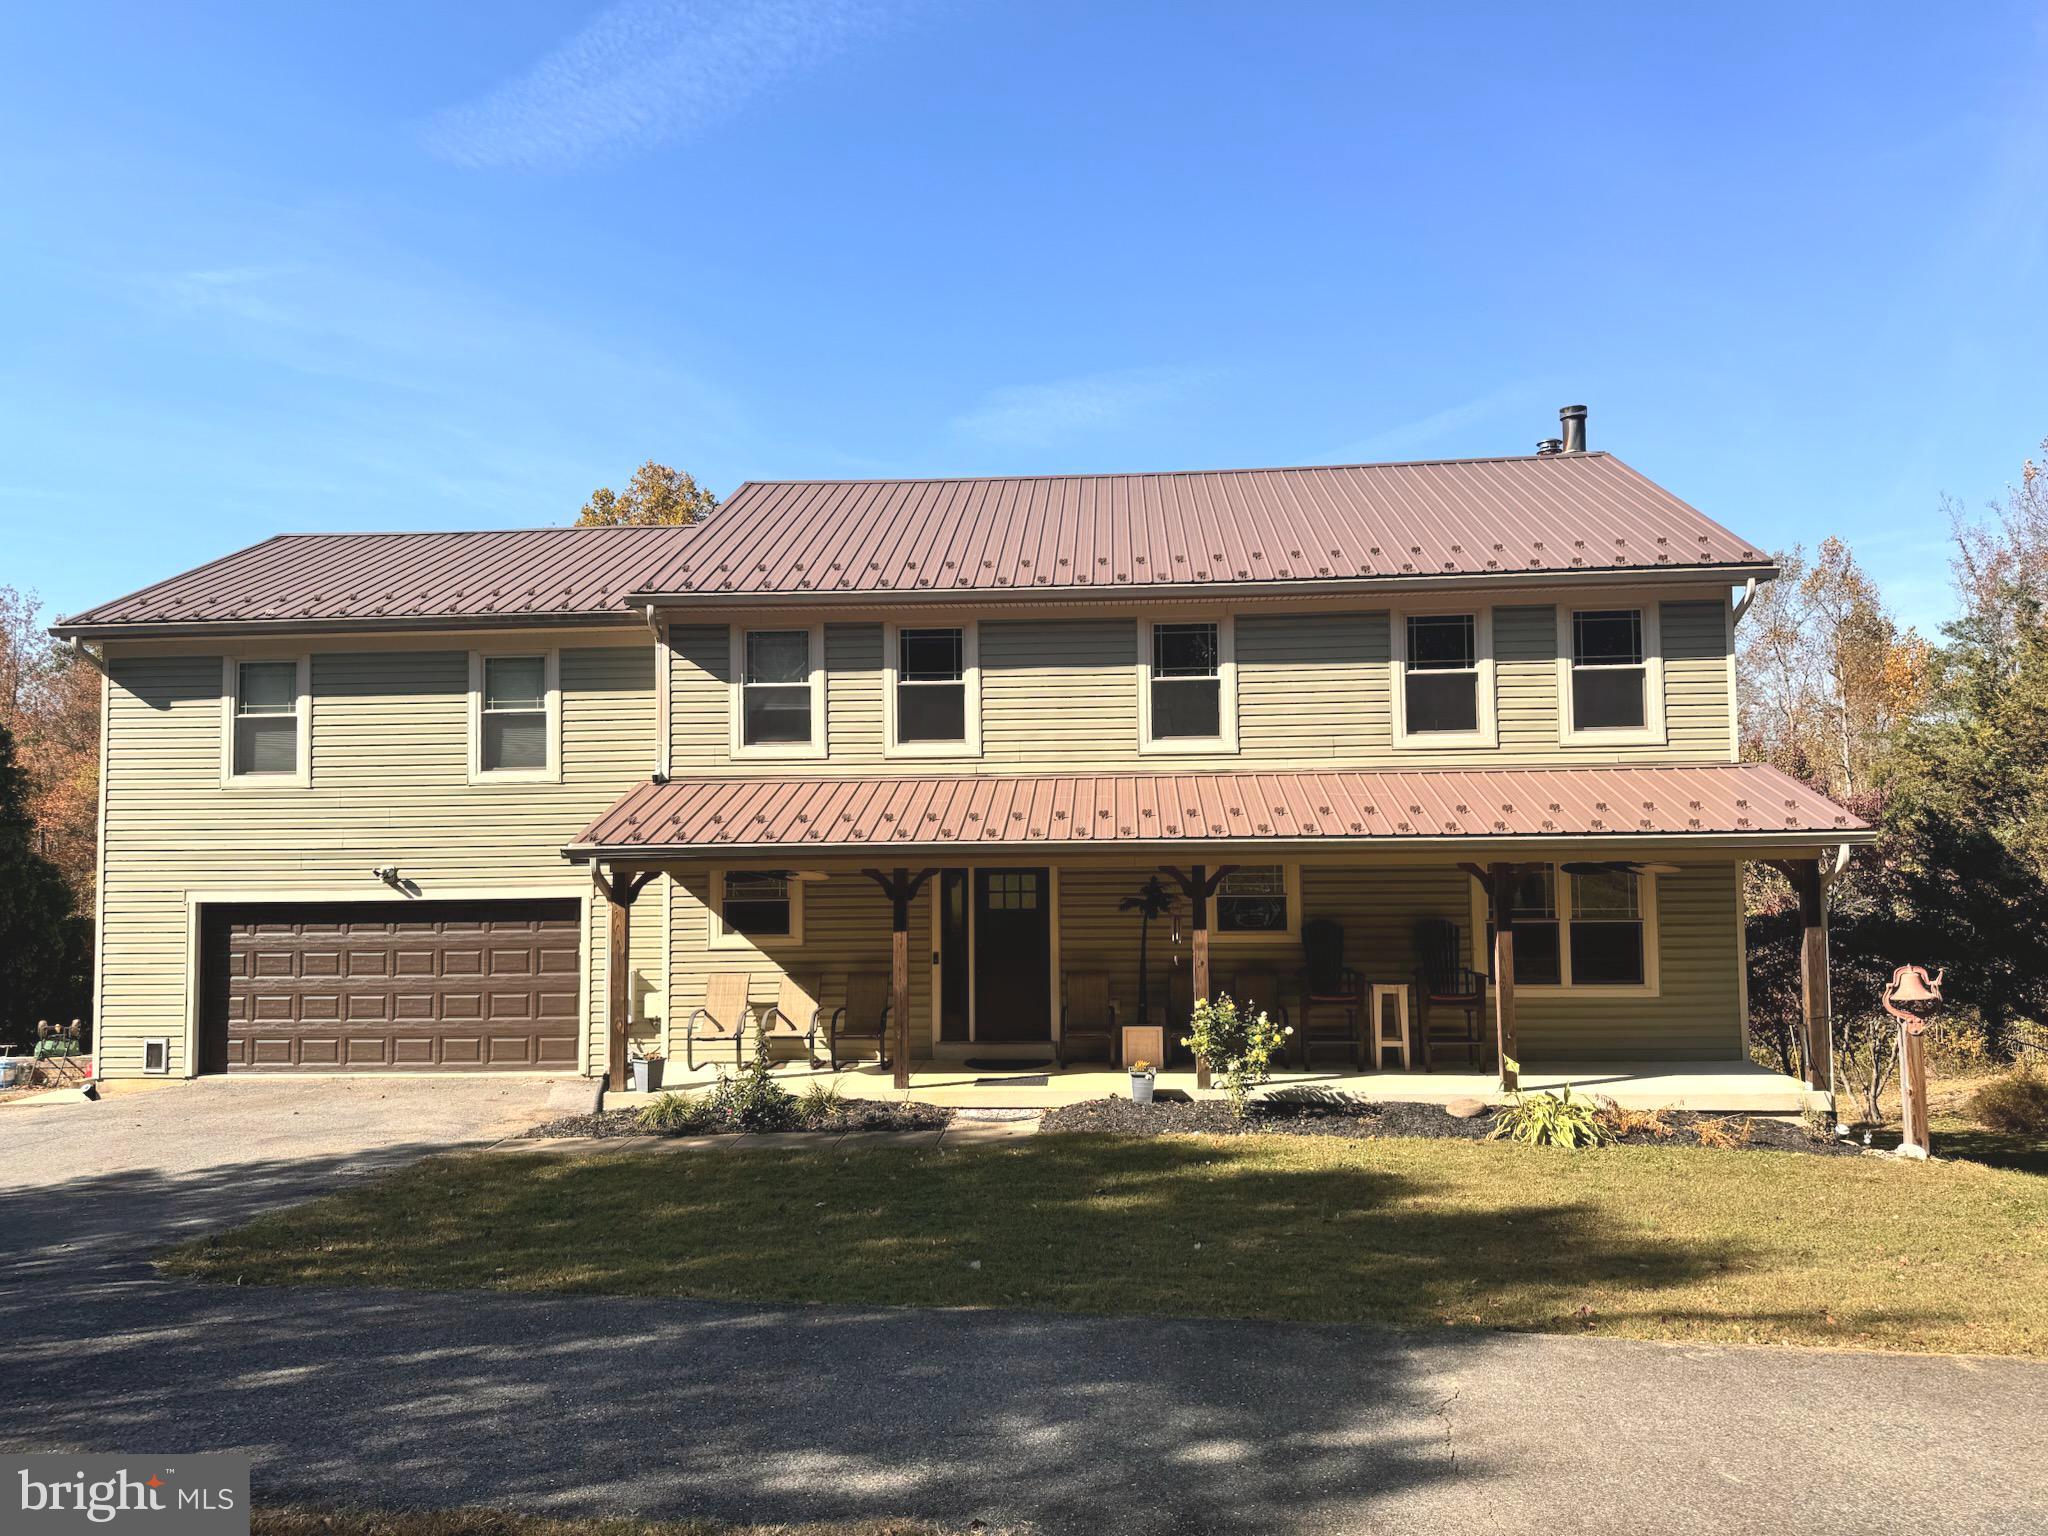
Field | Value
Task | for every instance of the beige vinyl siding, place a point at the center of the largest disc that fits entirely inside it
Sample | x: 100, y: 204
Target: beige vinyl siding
x: 389, y: 785
x: 1313, y: 689
x: 846, y: 930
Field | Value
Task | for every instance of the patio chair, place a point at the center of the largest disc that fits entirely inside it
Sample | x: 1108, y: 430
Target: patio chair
x: 1330, y: 994
x: 723, y: 1017
x: 863, y: 1016
x: 1261, y: 989
x: 1088, y: 1023
x: 794, y: 1015
x: 1444, y: 987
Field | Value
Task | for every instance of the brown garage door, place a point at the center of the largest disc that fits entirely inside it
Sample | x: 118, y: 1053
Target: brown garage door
x: 376, y: 987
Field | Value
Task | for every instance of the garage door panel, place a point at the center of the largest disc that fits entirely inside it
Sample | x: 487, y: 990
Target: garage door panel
x: 360, y: 987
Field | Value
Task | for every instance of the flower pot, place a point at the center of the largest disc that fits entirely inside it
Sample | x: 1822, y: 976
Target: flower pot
x: 646, y: 1074
x: 1141, y: 1087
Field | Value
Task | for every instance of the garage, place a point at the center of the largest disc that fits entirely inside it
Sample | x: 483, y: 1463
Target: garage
x: 381, y: 987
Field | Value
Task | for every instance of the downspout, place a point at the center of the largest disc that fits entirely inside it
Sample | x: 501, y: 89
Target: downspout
x: 91, y: 658
x: 1748, y: 596
x: 663, y: 664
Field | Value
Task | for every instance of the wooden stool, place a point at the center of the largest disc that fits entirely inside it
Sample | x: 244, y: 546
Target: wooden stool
x: 1389, y: 1024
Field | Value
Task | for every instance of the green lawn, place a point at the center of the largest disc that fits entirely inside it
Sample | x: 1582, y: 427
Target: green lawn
x: 1647, y: 1242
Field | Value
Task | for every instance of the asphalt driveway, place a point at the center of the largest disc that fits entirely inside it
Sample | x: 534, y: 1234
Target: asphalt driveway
x: 1076, y: 1425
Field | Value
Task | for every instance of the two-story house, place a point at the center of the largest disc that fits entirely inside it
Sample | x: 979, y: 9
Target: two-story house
x: 500, y: 800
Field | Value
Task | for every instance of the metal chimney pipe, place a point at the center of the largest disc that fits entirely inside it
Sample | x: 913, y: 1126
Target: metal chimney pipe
x: 1574, y: 419
x: 1549, y: 447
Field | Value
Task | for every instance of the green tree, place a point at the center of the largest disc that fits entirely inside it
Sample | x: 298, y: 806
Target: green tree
x: 44, y: 948
x: 655, y: 494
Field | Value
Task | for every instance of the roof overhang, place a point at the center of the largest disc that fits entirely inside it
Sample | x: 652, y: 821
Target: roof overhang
x: 386, y: 624
x: 1124, y: 594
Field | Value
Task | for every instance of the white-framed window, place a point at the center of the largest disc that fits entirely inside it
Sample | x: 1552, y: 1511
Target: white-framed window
x: 1443, y: 678
x: 1610, y: 675
x: 1187, y: 685
x: 1593, y: 930
x: 1257, y: 901
x: 755, y: 907
x: 778, y: 691
x: 266, y: 722
x: 931, y: 690
x: 515, y: 716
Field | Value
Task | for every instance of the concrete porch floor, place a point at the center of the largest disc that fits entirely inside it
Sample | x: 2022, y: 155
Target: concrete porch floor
x: 1714, y: 1086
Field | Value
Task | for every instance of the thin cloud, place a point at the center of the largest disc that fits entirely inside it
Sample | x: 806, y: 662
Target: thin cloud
x: 1037, y: 415
x: 1417, y: 436
x: 645, y: 72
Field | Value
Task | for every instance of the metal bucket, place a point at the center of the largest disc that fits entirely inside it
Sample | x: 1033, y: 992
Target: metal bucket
x: 1141, y: 1087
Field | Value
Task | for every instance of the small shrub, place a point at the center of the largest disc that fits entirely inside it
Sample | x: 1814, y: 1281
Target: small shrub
x: 751, y: 1099
x: 1635, y: 1122
x: 2016, y: 1104
x: 1237, y: 1044
x: 672, y: 1114
x: 1725, y: 1133
x: 1817, y: 1120
x: 1551, y: 1120
x: 820, y: 1102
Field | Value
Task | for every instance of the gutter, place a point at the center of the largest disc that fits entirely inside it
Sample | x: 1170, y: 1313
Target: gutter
x: 385, y: 624
x: 961, y: 849
x: 1126, y: 593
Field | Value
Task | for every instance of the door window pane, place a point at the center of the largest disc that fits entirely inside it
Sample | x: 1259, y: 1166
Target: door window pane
x: 1441, y: 678
x: 1252, y: 900
x: 776, y: 689
x: 515, y: 720
x: 1608, y: 674
x: 267, y: 717
x: 1187, y: 683
x: 931, y: 686
x: 756, y: 903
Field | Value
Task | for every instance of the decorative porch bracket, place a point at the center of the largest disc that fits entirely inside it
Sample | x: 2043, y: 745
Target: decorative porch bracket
x: 1198, y: 885
x: 1498, y: 881
x: 1816, y: 1006
x: 621, y: 889
x: 901, y: 887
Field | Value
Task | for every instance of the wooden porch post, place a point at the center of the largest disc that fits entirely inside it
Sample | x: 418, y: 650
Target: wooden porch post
x: 620, y: 891
x: 901, y: 887
x: 1198, y: 885
x: 1815, y: 1005
x: 1500, y: 882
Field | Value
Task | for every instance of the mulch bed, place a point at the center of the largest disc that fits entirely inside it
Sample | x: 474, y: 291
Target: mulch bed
x: 1334, y: 1115
x: 850, y: 1115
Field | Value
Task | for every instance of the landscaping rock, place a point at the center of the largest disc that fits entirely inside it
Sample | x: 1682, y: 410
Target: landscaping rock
x: 1466, y: 1109
x: 847, y: 1115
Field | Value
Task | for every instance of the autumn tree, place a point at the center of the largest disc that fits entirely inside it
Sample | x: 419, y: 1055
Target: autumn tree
x: 655, y: 494
x: 45, y: 948
x: 1828, y: 675
x: 50, y: 702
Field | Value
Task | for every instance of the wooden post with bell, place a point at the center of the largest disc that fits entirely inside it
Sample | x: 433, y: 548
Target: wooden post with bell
x: 1910, y: 997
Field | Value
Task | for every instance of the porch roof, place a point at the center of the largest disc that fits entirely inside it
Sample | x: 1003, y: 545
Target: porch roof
x: 1732, y: 802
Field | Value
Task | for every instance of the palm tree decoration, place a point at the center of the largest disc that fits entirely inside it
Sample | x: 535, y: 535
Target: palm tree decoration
x: 1153, y: 900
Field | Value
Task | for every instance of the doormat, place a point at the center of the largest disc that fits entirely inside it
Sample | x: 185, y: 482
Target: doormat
x: 1040, y: 1080
x: 1005, y: 1064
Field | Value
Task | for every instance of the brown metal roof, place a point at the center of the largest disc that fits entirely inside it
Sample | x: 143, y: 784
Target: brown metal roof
x: 1472, y: 517
x: 540, y: 573
x: 1745, y: 800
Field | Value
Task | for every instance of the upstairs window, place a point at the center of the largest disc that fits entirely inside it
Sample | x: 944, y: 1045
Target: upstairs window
x: 267, y: 718
x: 931, y: 686
x: 514, y: 714
x: 1441, y: 678
x: 776, y: 688
x: 1187, y: 682
x: 1609, y: 674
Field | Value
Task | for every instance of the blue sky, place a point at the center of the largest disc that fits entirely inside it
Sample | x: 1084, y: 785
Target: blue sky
x: 448, y: 265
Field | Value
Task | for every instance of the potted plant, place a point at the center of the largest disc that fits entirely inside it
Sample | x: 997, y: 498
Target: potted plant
x: 1142, y: 1081
x: 646, y: 1065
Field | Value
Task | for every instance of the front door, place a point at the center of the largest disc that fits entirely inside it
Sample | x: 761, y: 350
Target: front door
x: 1012, y: 954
